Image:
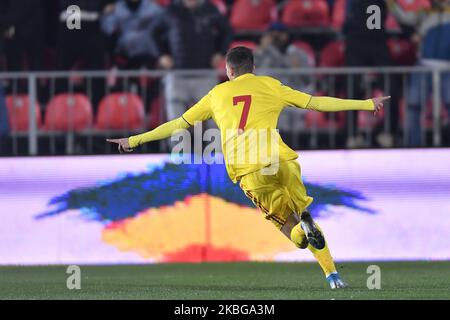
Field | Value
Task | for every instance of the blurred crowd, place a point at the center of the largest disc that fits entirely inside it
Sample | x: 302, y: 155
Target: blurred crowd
x: 195, y: 34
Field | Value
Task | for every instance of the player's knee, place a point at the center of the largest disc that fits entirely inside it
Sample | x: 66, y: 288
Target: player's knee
x: 298, y: 237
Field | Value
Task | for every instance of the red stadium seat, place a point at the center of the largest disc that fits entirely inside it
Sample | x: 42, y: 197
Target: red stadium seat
x: 18, y: 106
x: 308, y: 49
x: 68, y: 111
x: 402, y: 51
x: 252, y: 14
x: 316, y: 119
x: 306, y: 13
x: 249, y: 44
x: 156, y: 107
x: 333, y: 55
x: 391, y: 23
x: 338, y: 15
x: 121, y: 111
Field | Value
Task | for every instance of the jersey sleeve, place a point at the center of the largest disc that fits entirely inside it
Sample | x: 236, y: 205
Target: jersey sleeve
x: 330, y: 104
x: 294, y: 98
x: 161, y: 132
x: 201, y: 111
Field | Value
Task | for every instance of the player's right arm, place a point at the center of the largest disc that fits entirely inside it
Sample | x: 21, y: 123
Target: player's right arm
x: 199, y: 112
x: 300, y: 99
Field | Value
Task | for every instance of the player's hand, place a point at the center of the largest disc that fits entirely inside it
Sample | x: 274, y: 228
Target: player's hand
x: 166, y: 62
x: 123, y: 145
x: 379, y: 103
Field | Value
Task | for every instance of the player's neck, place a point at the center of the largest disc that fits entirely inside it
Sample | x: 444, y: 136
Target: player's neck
x: 243, y: 74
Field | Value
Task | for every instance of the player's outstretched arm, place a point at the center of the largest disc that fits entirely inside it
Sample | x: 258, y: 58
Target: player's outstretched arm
x: 329, y: 104
x: 292, y: 97
x: 163, y: 131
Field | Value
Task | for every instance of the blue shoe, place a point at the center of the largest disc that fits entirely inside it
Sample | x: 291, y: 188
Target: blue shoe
x: 335, y: 281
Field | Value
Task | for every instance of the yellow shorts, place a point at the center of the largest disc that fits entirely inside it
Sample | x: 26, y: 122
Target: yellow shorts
x: 278, y: 195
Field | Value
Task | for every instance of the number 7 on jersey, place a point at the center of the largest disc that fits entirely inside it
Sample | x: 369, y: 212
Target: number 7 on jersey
x: 247, y: 100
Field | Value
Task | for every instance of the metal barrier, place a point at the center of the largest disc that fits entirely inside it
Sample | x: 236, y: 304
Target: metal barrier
x: 341, y: 82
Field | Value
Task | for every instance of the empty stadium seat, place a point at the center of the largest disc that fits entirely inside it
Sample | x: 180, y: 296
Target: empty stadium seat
x: 391, y: 23
x: 121, y: 111
x: 315, y: 119
x: 18, y: 106
x: 333, y: 54
x: 68, y: 111
x: 338, y: 15
x: 306, y: 13
x: 402, y: 51
x: 252, y: 14
x: 308, y: 49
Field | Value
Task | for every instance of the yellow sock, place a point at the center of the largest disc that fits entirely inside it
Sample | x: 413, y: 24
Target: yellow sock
x: 324, y: 258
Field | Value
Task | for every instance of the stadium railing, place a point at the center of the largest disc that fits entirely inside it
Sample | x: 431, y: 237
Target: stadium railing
x: 85, y: 91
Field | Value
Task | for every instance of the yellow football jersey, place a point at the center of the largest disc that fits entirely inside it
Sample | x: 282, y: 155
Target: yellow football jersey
x: 246, y: 110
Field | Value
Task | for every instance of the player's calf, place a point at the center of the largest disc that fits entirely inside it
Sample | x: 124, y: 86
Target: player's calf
x: 293, y: 231
x: 312, y: 232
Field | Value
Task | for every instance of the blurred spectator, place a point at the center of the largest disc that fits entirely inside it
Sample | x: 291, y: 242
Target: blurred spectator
x: 434, y: 31
x: 129, y: 20
x: 276, y: 51
x: 366, y: 47
x: 24, y: 34
x: 272, y: 47
x: 82, y: 48
x: 190, y: 34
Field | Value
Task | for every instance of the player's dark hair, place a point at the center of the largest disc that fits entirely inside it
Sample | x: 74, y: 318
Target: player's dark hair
x: 240, y: 59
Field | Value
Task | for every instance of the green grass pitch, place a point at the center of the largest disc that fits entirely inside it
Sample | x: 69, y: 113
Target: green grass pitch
x: 399, y: 280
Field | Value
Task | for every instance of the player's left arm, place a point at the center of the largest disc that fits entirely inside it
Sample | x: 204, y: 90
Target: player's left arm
x: 303, y: 100
x: 199, y: 112
x: 329, y: 104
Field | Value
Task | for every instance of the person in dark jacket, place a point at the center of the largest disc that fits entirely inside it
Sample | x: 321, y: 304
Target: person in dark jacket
x: 4, y: 124
x: 24, y: 34
x: 368, y: 48
x: 191, y: 34
x: 82, y: 48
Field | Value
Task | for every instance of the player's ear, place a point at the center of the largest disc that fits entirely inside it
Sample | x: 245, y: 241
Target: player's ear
x: 231, y: 74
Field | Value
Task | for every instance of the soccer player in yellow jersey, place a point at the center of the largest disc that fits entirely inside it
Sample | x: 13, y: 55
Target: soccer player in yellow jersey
x: 248, y: 102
